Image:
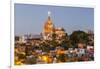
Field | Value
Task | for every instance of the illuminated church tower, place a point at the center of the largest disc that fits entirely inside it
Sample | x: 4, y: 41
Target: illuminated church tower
x: 48, y: 29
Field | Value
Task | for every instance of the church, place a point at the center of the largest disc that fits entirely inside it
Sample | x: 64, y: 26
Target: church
x: 49, y: 29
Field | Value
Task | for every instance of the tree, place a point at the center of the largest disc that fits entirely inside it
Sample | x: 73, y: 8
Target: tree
x: 53, y: 42
x: 61, y: 58
x: 66, y: 43
x: 79, y: 36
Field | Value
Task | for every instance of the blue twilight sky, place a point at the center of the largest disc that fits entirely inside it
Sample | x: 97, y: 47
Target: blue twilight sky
x: 31, y: 18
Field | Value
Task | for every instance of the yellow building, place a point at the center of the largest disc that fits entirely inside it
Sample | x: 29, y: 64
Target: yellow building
x: 48, y: 29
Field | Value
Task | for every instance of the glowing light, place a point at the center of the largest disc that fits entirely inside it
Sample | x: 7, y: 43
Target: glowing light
x: 45, y: 58
x: 49, y: 13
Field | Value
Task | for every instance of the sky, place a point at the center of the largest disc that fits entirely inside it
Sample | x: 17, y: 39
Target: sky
x: 30, y: 18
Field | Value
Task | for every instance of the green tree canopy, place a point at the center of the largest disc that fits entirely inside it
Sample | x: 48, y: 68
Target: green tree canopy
x: 79, y: 36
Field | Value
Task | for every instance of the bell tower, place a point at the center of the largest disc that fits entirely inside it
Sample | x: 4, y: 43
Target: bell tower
x: 48, y: 27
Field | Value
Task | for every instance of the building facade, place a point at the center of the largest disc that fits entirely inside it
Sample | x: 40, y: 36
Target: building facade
x: 49, y: 29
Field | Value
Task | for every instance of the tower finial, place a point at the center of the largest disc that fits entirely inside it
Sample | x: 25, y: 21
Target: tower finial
x: 49, y: 13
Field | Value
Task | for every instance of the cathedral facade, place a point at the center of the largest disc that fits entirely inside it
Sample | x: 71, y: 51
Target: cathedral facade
x: 49, y: 29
